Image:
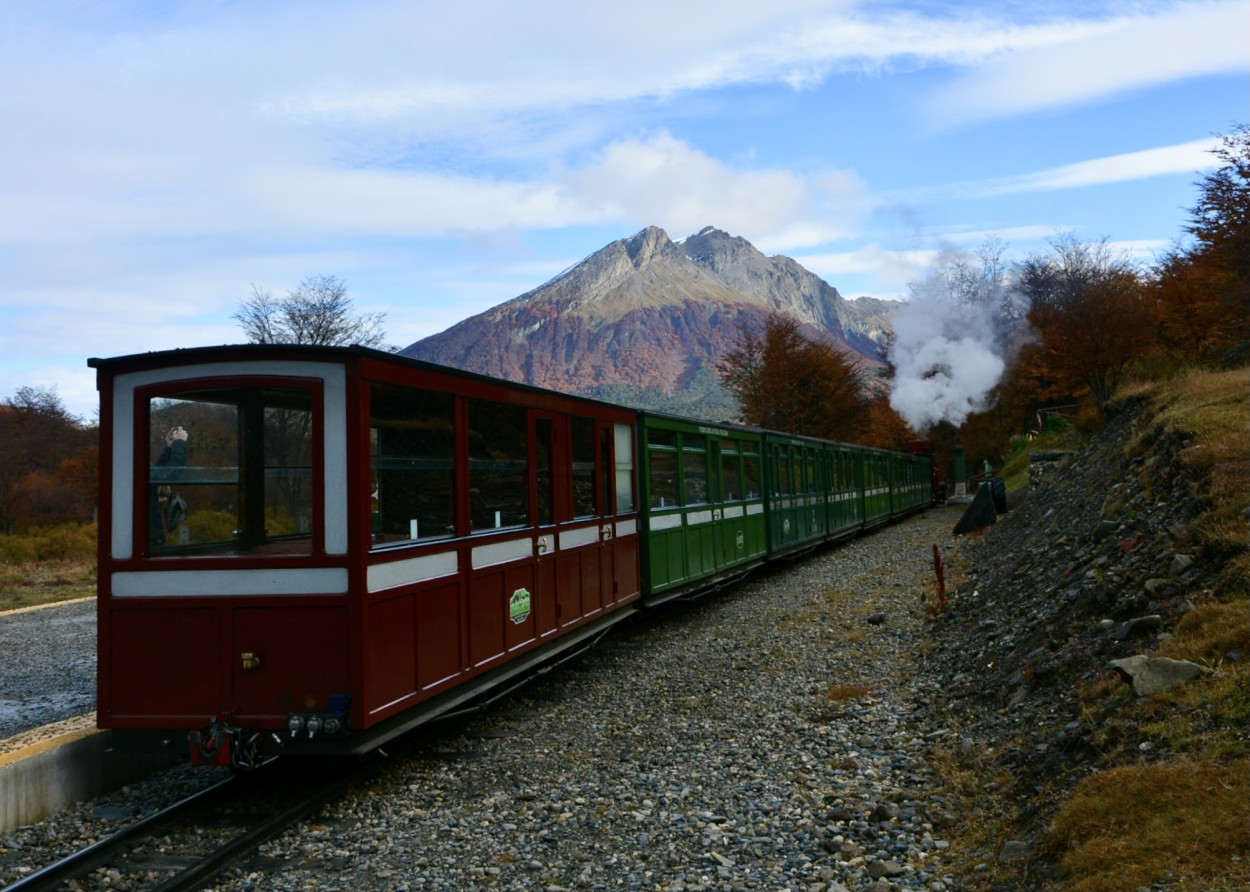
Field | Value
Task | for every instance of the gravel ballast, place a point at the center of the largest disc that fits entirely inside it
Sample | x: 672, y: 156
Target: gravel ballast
x: 47, y: 667
x: 772, y: 736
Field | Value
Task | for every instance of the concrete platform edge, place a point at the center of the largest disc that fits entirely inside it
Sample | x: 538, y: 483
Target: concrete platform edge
x: 45, y: 779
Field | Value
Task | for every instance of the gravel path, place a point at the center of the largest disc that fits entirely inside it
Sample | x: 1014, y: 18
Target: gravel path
x: 770, y: 737
x: 47, y: 666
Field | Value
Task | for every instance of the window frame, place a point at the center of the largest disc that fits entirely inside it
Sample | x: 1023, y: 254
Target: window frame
x: 144, y: 395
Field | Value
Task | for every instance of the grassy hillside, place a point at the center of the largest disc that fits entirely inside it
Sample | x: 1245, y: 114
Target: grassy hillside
x: 1148, y: 792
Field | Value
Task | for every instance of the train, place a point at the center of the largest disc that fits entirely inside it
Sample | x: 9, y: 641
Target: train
x: 312, y: 550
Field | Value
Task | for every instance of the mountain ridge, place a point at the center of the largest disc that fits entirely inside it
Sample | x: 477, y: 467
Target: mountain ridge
x: 646, y: 319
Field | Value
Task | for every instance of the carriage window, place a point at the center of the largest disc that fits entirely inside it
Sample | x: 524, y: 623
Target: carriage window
x: 605, y: 467
x: 584, y: 467
x: 663, y: 478
x: 662, y: 438
x: 730, y: 473
x: 624, y: 469
x: 230, y: 472
x: 782, y: 484
x: 412, y: 442
x: 751, y: 475
x: 543, y: 431
x: 498, y: 466
x: 694, y: 466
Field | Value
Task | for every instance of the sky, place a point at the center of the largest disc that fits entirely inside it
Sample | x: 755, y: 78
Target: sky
x: 160, y: 159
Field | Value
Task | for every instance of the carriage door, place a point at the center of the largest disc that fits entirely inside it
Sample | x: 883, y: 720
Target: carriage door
x: 548, y: 446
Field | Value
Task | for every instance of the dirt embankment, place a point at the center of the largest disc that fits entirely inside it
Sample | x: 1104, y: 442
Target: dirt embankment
x: 1102, y: 561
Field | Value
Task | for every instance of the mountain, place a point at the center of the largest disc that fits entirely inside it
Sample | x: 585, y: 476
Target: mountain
x: 644, y: 320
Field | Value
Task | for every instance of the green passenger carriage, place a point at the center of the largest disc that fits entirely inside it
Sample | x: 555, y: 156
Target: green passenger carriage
x: 702, y: 500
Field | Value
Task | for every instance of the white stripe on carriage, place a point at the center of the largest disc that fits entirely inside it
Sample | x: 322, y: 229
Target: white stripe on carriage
x: 418, y: 569
x: 577, y: 538
x: 502, y: 552
x: 213, y: 583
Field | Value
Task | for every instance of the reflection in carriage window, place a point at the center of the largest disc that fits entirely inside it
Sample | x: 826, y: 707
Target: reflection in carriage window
x: 543, y: 458
x: 231, y: 471
x: 663, y: 478
x: 751, y: 475
x: 694, y: 468
x: 412, y: 442
x: 584, y: 504
x: 498, y: 466
x: 730, y: 472
x: 782, y: 483
x: 624, y: 441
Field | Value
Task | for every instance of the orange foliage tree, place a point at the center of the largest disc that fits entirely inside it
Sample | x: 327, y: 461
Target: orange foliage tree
x: 38, y: 435
x: 1094, y: 316
x: 1204, y: 291
x: 784, y: 381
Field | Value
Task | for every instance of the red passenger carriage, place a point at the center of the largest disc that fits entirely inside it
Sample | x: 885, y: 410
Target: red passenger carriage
x: 346, y: 542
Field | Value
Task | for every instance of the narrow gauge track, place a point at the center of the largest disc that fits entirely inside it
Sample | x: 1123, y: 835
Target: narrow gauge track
x: 185, y: 845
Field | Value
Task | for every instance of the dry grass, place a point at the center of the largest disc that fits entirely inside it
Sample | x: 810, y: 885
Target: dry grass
x: 839, y: 693
x: 1184, y: 821
x: 46, y: 566
x: 1128, y: 827
x: 46, y: 582
x: 1210, y: 411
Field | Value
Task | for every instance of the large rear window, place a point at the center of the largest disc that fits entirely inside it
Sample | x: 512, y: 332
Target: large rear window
x: 229, y: 471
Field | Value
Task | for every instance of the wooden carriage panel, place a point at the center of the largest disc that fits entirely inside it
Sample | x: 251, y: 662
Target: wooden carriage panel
x: 546, y: 600
x: 438, y: 634
x: 625, y: 567
x: 590, y: 580
x: 568, y: 588
x: 153, y: 673
x: 390, y: 652
x: 303, y: 659
x: 486, y: 617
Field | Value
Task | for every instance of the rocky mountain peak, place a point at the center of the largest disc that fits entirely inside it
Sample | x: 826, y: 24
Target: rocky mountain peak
x: 644, y: 321
x: 644, y: 246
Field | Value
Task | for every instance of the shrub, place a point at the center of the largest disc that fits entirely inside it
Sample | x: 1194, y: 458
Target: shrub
x: 65, y: 542
x: 1056, y: 424
x: 16, y: 550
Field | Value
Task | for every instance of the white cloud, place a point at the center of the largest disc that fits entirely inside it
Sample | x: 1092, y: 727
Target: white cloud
x: 665, y: 181
x: 1185, y: 40
x: 1185, y: 158
x: 886, y: 271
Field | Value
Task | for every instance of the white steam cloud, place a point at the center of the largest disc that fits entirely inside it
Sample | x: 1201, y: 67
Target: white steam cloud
x: 954, y: 338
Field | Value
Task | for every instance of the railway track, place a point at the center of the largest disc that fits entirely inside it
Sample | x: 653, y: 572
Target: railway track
x: 184, y: 846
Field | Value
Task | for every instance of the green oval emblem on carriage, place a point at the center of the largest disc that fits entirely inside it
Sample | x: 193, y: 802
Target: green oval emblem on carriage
x: 519, y: 606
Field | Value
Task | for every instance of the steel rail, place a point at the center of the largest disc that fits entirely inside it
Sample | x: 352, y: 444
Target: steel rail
x: 84, y: 860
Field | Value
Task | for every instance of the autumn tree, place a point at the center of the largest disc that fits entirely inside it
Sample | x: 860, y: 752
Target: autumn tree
x: 1094, y: 316
x: 39, y: 439
x: 784, y: 381
x: 1204, y: 289
x: 319, y: 311
x: 883, y: 427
